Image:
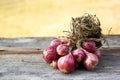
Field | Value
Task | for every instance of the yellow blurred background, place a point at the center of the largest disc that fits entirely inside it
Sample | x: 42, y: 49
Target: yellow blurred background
x: 39, y: 18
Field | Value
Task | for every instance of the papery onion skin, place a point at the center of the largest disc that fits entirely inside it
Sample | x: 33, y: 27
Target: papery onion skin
x: 78, y: 54
x: 62, y: 49
x: 91, y: 61
x: 66, y: 64
x: 55, y: 42
x: 89, y: 45
x: 50, y: 54
x: 54, y: 64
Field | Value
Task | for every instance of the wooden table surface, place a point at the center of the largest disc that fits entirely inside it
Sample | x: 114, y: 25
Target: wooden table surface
x: 20, y: 60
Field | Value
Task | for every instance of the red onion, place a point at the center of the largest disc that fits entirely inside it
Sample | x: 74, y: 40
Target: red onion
x: 66, y: 64
x: 78, y: 54
x: 91, y: 61
x: 89, y: 45
x: 54, y: 64
x: 55, y: 42
x: 97, y: 53
x: 62, y: 49
x: 50, y: 54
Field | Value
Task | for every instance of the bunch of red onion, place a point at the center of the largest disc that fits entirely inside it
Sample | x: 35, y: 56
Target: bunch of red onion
x: 60, y: 56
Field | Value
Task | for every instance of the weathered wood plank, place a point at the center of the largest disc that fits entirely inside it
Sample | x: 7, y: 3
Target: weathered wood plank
x: 20, y: 51
x: 9, y: 50
x: 27, y: 42
x: 43, y: 42
x: 115, y: 51
x: 16, y: 64
x: 32, y: 67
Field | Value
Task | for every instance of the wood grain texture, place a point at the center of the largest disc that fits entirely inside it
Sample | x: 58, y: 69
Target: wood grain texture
x: 20, y: 51
x: 43, y: 42
x: 104, y: 50
x: 32, y: 67
x: 20, y: 60
x: 27, y: 64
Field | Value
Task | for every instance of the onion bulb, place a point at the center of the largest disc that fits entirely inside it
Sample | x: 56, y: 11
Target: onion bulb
x: 97, y: 53
x: 78, y: 54
x: 89, y: 45
x: 54, y: 64
x: 66, y: 64
x: 50, y: 54
x: 62, y: 49
x: 55, y: 42
x: 91, y: 61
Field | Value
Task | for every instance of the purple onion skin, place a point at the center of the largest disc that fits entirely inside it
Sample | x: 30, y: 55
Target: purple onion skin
x: 89, y: 45
x: 98, y: 53
x: 91, y: 61
x: 66, y: 64
x: 55, y: 42
x: 78, y: 54
x: 50, y: 54
x: 62, y: 49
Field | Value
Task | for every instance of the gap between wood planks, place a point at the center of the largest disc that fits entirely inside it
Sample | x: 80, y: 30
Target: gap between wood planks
x: 20, y: 51
x: 115, y: 51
